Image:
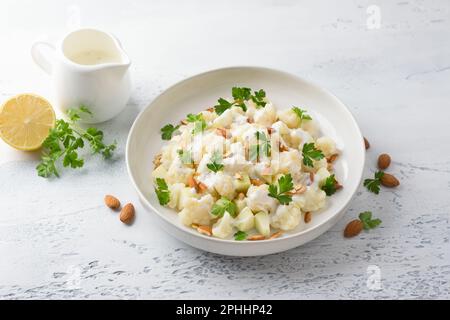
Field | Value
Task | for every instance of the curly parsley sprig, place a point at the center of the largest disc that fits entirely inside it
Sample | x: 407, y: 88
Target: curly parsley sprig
x: 66, y: 139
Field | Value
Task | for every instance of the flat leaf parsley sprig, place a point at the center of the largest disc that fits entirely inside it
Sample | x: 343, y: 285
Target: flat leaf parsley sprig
x: 66, y: 139
x: 240, y: 95
x: 373, y: 185
x: 280, y: 192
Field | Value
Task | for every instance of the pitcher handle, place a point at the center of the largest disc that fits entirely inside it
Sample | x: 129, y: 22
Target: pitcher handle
x: 40, y: 58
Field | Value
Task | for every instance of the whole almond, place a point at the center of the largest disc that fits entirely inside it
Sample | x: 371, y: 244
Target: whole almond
x: 366, y: 143
x: 307, y: 217
x: 127, y: 213
x: 384, y: 160
x: 388, y: 180
x: 112, y: 202
x: 353, y: 228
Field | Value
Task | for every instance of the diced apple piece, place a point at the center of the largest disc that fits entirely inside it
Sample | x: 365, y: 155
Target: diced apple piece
x: 242, y: 184
x: 262, y: 223
x: 224, y: 227
x: 245, y: 221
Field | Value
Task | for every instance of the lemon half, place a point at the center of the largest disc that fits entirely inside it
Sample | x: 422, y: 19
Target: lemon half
x: 25, y: 121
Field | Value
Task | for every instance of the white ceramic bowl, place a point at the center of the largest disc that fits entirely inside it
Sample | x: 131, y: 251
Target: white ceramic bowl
x: 285, y: 90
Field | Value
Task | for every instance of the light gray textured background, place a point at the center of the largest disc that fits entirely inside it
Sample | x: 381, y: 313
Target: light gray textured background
x: 57, y: 240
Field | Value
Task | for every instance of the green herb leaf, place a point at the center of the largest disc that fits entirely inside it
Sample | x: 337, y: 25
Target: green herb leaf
x: 258, y: 98
x: 167, y: 131
x: 64, y: 141
x: 301, y: 114
x: 215, y: 164
x: 241, y: 93
x: 373, y: 185
x: 199, y: 122
x: 240, y: 235
x: 310, y: 153
x: 162, y: 191
x: 222, y: 106
x: 368, y: 222
x: 222, y: 205
x: 329, y: 185
x: 279, y: 192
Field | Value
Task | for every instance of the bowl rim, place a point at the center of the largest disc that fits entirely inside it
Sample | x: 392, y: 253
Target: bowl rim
x: 285, y: 238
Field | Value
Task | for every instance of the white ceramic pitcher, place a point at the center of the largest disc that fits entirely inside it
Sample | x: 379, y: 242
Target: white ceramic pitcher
x: 88, y: 67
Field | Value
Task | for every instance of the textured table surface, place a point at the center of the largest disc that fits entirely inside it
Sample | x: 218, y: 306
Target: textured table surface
x: 390, y: 63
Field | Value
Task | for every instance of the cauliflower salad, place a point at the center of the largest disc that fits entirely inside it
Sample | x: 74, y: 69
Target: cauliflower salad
x: 245, y: 170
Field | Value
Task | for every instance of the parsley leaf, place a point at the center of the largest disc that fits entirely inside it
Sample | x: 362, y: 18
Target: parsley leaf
x: 64, y: 141
x: 199, y: 122
x: 162, y: 191
x: 167, y: 131
x: 222, y: 106
x: 279, y: 192
x: 301, y: 114
x: 310, y: 153
x: 240, y: 95
x: 240, y: 235
x: 330, y: 185
x: 373, y: 185
x: 216, y: 164
x: 368, y: 222
x: 222, y: 205
x: 258, y: 98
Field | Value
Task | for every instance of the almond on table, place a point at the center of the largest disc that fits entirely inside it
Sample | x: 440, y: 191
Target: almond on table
x: 112, y: 202
x: 127, y: 213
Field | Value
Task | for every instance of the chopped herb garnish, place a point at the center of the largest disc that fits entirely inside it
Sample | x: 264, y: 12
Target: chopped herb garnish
x: 162, y: 191
x: 215, y: 164
x: 310, y: 153
x: 330, y: 185
x: 373, y: 185
x: 222, y: 205
x: 240, y: 95
x: 368, y: 222
x: 167, y: 131
x: 301, y: 114
x: 198, y: 121
x: 240, y: 235
x: 280, y: 192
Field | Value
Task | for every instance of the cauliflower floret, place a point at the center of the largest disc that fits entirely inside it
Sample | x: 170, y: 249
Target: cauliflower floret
x: 175, y: 191
x: 317, y: 164
x: 289, y: 117
x: 245, y: 221
x: 281, y: 128
x: 320, y: 176
x: 178, y: 172
x: 197, y: 211
x: 224, y: 186
x: 185, y: 194
x: 266, y: 116
x: 251, y: 109
x: 327, y: 145
x: 208, y: 116
x: 311, y: 127
x: 213, y: 142
x: 312, y: 200
x: 287, y: 217
x: 258, y: 199
x: 236, y: 161
x: 290, y: 162
x: 239, y: 116
x: 224, y: 120
x: 298, y: 138
x: 223, y: 228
